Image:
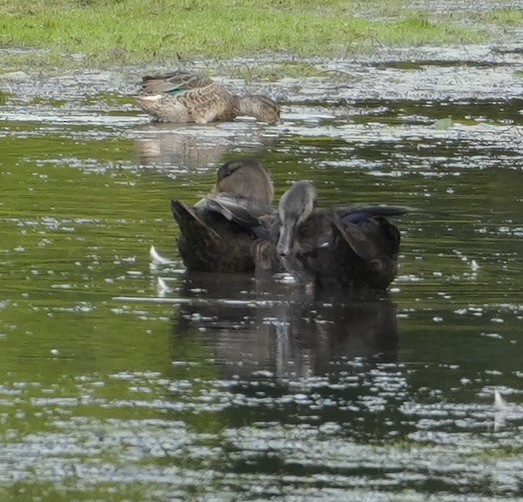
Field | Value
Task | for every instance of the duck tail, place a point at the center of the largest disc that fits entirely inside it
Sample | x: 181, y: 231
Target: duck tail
x: 189, y: 222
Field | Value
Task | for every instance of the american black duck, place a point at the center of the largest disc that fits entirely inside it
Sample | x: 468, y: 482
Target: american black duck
x: 219, y: 233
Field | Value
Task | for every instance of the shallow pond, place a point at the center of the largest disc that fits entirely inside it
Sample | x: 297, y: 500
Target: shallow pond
x: 122, y: 378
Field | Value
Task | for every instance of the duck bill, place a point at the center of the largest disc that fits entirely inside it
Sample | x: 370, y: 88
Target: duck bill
x: 286, y: 239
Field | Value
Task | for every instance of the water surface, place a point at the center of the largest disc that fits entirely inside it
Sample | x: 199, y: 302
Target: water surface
x: 126, y: 379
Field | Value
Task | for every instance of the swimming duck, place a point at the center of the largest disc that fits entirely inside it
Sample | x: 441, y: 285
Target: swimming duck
x: 185, y: 97
x: 350, y: 247
x: 218, y: 234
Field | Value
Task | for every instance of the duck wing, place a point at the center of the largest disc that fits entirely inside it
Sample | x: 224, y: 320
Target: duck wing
x: 355, y: 237
x: 359, y: 214
x: 233, y: 212
x: 248, y: 214
x: 174, y: 83
x: 373, y: 239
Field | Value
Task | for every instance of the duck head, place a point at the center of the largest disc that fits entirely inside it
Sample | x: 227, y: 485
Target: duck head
x: 245, y: 178
x: 295, y: 206
x: 260, y: 107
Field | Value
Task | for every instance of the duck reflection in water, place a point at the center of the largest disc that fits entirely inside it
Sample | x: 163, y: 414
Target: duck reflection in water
x: 181, y: 148
x: 218, y: 234
x: 175, y: 145
x: 348, y: 247
x: 251, y: 330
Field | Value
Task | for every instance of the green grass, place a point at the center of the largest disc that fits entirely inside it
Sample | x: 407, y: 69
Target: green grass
x: 130, y: 31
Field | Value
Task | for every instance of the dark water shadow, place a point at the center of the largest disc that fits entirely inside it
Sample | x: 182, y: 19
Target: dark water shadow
x: 274, y: 328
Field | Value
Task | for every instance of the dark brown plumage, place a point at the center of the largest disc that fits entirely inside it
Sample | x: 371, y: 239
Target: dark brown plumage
x: 219, y: 233
x: 353, y: 247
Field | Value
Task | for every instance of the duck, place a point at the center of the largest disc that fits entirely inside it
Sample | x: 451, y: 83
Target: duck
x: 186, y: 97
x: 354, y: 247
x: 219, y: 233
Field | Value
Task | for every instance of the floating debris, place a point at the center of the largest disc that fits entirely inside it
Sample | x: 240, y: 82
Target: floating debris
x: 157, y: 259
x: 499, y: 402
x: 161, y: 287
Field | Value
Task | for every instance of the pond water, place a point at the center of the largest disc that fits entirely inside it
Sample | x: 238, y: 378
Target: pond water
x: 124, y: 378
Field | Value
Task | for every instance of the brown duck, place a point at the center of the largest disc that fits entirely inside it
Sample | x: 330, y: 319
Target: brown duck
x: 219, y: 233
x: 349, y: 247
x: 185, y: 97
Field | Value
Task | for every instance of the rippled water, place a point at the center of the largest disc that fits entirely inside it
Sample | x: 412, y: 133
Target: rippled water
x: 127, y: 379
